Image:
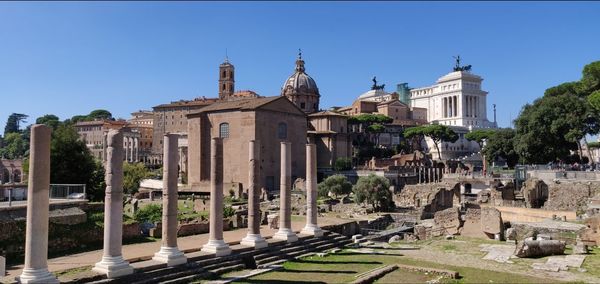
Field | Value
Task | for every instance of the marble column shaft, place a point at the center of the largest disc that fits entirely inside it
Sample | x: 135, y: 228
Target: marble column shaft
x: 112, y: 263
x: 285, y: 214
x: 312, y: 210
x: 36, y: 236
x: 215, y: 243
x: 169, y: 253
x: 253, y: 238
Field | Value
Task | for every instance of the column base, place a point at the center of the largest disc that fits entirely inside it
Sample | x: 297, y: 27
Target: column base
x: 218, y: 247
x: 313, y: 230
x: 254, y: 240
x: 170, y: 255
x: 30, y: 275
x: 113, y: 266
x: 286, y: 235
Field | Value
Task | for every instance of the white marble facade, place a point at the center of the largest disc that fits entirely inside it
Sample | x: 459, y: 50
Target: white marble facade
x: 456, y: 100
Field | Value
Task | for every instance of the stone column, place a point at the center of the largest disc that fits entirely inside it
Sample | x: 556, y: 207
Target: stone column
x: 253, y: 238
x: 169, y: 253
x: 112, y: 263
x: 36, y: 237
x: 104, y: 146
x: 136, y: 146
x: 215, y: 243
x: 285, y: 213
x: 312, y: 210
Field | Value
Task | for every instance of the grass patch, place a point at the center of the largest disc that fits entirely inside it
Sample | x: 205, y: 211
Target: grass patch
x: 344, y: 266
x: 592, y: 262
x: 449, y: 247
x: 72, y: 271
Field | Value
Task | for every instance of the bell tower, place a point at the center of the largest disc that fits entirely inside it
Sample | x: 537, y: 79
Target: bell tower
x: 226, y: 80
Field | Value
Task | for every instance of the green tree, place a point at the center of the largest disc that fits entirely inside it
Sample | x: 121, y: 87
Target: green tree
x: 343, y: 164
x: 374, y: 190
x: 13, y: 123
x: 590, y: 80
x: 437, y: 133
x: 151, y: 213
x: 594, y: 100
x: 133, y: 173
x: 71, y: 161
x: 50, y: 120
x: 552, y: 127
x: 373, y: 124
x: 100, y: 114
x: 336, y: 184
x: 501, y: 145
x: 480, y: 136
x: 15, y: 146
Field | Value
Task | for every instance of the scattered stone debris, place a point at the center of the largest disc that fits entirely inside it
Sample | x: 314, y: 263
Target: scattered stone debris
x: 357, y: 238
x: 580, y: 247
x: 273, y: 220
x: 510, y: 234
x: 395, y: 238
x: 539, y: 248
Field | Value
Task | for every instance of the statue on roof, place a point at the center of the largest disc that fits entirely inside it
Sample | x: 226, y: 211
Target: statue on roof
x: 375, y: 86
x: 457, y: 66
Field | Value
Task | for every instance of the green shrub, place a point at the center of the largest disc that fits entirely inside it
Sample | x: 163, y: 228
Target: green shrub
x: 336, y: 184
x: 343, y: 164
x: 228, y: 211
x: 150, y: 213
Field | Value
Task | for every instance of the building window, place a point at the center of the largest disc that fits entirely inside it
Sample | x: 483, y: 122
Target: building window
x: 302, y: 105
x: 224, y: 130
x: 282, y: 131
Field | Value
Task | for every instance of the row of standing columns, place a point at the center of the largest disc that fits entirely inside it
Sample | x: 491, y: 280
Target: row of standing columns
x: 428, y: 174
x: 132, y: 149
x: 112, y: 263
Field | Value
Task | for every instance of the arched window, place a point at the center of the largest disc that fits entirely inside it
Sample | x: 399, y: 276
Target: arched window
x: 224, y: 130
x: 224, y: 74
x: 282, y: 131
x: 223, y: 87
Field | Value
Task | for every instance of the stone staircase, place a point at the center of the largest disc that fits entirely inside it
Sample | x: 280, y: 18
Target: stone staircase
x: 206, y: 266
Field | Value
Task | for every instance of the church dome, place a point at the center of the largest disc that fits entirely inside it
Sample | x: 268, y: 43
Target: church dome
x: 300, y: 82
x: 301, y: 89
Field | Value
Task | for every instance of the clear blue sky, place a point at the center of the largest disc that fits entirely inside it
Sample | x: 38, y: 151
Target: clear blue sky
x: 68, y: 58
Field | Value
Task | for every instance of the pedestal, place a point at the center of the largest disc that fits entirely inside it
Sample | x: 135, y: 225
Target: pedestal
x: 113, y: 267
x: 170, y: 255
x: 312, y: 230
x: 218, y: 247
x: 254, y: 240
x: 41, y: 275
x: 286, y: 235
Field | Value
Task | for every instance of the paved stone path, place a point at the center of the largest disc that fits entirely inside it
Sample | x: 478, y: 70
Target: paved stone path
x: 558, y: 263
x: 499, y: 253
x: 144, y: 251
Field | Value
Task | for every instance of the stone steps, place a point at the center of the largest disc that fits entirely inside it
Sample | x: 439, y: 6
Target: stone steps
x: 203, y: 266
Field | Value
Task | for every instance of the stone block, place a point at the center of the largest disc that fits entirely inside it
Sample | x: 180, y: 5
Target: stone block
x: 491, y: 220
x: 201, y: 205
x: 273, y: 221
x: 449, y: 219
x: 510, y: 234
